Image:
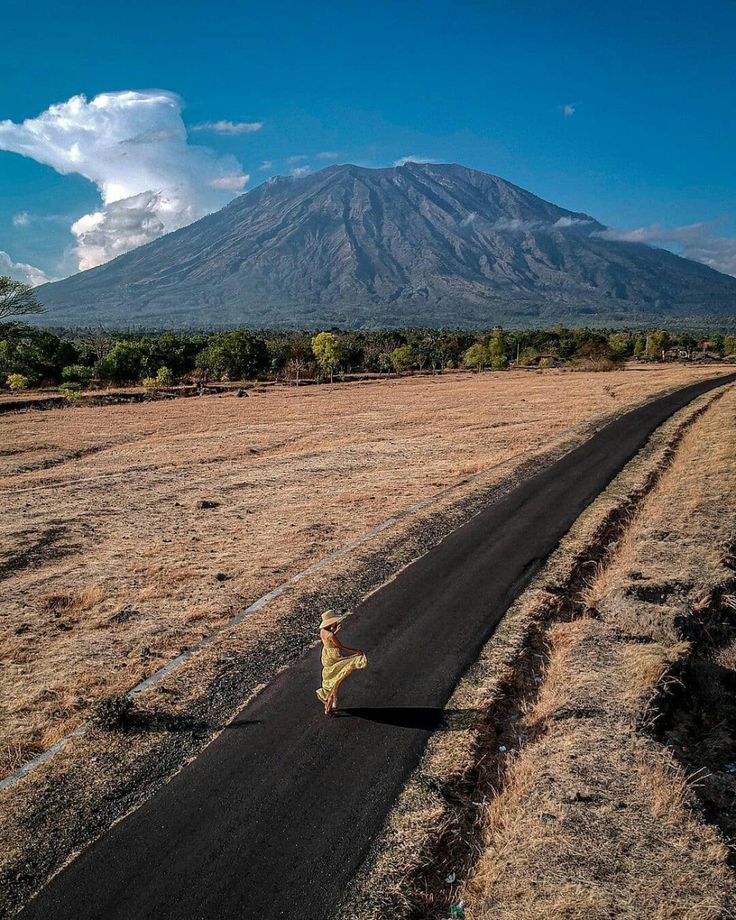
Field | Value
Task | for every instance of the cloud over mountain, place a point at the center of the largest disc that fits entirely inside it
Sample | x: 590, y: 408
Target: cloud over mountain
x: 693, y: 241
x: 134, y: 147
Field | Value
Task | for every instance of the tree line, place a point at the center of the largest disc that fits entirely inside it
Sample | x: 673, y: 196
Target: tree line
x: 75, y: 360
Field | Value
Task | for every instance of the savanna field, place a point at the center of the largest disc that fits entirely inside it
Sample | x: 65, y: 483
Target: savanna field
x: 133, y: 530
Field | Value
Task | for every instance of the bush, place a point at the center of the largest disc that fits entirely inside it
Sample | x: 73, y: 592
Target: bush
x: 78, y: 373
x: 150, y: 383
x: 17, y: 381
x: 164, y: 377
x: 113, y: 712
x: 72, y: 392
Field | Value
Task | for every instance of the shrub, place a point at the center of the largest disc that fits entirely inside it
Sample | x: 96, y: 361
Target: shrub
x: 150, y: 383
x: 17, y: 381
x: 113, y: 712
x: 70, y: 387
x: 164, y: 377
x: 77, y: 373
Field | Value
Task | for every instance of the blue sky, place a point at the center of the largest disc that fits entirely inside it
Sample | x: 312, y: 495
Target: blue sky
x: 626, y: 111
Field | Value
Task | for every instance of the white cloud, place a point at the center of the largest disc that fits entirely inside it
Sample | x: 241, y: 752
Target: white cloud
x: 516, y: 225
x: 266, y: 164
x: 563, y: 222
x: 22, y: 219
x: 402, y: 161
x: 328, y: 155
x: 233, y: 182
x: 298, y: 171
x: 569, y: 110
x: 21, y: 271
x: 693, y: 241
x: 297, y: 158
x: 228, y: 127
x: 133, y: 146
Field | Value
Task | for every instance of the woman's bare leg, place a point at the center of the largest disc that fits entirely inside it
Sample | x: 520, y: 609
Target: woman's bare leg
x: 332, y: 699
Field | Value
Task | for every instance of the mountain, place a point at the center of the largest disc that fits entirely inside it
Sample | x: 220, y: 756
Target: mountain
x: 420, y: 244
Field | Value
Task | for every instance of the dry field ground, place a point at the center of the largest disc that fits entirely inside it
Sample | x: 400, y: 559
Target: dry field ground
x: 110, y: 567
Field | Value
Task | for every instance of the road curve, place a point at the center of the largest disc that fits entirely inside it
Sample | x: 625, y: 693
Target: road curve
x: 273, y: 819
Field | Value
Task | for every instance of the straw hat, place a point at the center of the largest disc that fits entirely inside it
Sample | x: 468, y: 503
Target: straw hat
x: 329, y: 618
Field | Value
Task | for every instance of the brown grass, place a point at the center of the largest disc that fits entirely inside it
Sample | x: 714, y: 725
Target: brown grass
x: 596, y: 819
x: 109, y: 567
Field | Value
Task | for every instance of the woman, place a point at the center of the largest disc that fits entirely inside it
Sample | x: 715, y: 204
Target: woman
x: 335, y: 668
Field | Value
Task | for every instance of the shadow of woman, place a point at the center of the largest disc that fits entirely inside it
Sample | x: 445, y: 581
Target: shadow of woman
x: 419, y: 717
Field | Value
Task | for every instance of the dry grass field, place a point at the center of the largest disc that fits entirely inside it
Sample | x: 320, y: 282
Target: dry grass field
x: 110, y: 565
x: 633, y: 731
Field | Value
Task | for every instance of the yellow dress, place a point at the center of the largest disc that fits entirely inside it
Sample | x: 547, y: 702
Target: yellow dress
x: 335, y: 668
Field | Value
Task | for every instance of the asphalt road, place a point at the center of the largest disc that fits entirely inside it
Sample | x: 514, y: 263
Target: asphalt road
x: 274, y: 818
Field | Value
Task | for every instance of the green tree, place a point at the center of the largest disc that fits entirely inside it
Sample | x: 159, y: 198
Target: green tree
x: 78, y: 373
x: 497, y: 351
x: 402, y: 358
x: 657, y: 343
x: 640, y: 346
x: 384, y: 362
x: 327, y: 350
x: 619, y: 345
x: 124, y: 362
x: 729, y: 344
x: 238, y: 355
x: 35, y: 353
x: 291, y: 354
x: 18, y: 299
x: 477, y: 356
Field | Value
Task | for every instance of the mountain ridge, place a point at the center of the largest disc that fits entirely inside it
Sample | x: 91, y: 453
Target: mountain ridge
x: 418, y: 244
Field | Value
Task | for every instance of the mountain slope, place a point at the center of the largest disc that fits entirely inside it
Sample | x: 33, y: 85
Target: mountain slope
x: 417, y: 244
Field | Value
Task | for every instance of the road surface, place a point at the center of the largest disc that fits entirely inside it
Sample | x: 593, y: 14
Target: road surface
x: 273, y: 819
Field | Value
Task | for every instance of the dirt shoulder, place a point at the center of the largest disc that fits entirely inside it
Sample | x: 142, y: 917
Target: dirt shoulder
x: 567, y: 794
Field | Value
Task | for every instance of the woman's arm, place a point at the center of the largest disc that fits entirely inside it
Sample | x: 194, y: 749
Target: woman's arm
x: 345, y: 648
